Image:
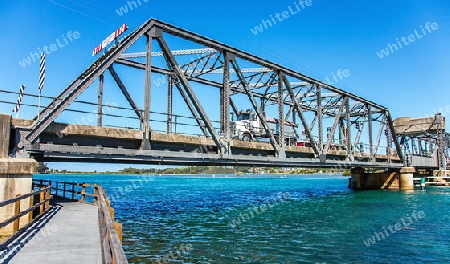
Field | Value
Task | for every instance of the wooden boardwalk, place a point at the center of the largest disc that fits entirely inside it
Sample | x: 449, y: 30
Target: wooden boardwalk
x: 68, y: 234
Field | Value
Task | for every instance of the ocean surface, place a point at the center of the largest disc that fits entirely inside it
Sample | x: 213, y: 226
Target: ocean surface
x: 273, y: 219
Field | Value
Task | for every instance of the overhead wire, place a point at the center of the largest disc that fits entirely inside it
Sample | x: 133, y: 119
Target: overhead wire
x: 79, y: 12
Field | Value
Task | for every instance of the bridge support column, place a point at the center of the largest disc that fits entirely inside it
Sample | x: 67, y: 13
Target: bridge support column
x: 357, y: 178
x: 406, y: 178
x: 5, y: 134
x: 374, y: 181
x: 15, y: 178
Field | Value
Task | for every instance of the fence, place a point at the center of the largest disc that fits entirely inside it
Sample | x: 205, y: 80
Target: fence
x: 43, y: 205
x: 110, y: 231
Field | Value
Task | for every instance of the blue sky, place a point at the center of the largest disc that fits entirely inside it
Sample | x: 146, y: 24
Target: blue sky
x: 318, y: 41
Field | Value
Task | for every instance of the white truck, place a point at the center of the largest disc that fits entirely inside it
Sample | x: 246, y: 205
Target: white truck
x: 248, y: 127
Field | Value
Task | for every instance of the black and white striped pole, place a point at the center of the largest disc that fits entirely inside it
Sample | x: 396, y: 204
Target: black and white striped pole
x: 19, y: 101
x: 41, y: 81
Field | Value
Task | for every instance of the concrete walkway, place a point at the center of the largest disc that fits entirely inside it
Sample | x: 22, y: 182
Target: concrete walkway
x: 68, y: 234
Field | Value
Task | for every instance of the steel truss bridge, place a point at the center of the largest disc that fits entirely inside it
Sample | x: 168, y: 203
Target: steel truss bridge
x: 338, y: 128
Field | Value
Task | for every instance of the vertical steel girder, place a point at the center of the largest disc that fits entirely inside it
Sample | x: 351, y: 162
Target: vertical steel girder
x: 281, y: 135
x: 335, y: 124
x: 342, y: 130
x: 348, y: 134
x: 125, y: 92
x: 225, y: 100
x: 320, y: 117
x: 370, y: 132
x: 100, y: 100
x: 179, y: 73
x: 169, y: 103
x: 262, y: 104
x: 293, y: 116
x: 440, y: 141
x: 360, y: 130
x: 300, y: 115
x: 258, y: 111
x: 389, y: 143
x: 147, y: 93
x: 221, y: 108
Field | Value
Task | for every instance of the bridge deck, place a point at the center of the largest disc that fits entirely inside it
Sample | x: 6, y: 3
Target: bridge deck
x: 68, y: 234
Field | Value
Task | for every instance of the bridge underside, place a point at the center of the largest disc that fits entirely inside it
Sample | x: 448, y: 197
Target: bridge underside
x: 74, y: 143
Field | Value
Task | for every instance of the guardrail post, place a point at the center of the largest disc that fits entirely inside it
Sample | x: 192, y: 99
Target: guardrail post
x: 16, y: 212
x: 41, y: 199
x: 30, y: 214
x: 118, y: 227
x: 57, y: 187
x: 83, y: 193
x: 64, y: 190
x: 47, y: 197
x: 111, y: 212
x: 95, y: 194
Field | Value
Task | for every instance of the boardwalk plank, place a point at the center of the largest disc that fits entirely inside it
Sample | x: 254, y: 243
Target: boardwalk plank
x: 70, y: 236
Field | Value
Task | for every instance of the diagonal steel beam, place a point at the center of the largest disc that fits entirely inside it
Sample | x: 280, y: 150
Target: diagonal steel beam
x: 300, y: 115
x: 336, y: 122
x: 191, y: 108
x: 361, y: 128
x: 235, y: 110
x: 126, y: 93
x: 258, y: 111
x: 394, y: 136
x: 190, y: 93
x: 380, y: 132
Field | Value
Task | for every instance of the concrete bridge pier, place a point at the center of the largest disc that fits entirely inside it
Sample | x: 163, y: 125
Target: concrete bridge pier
x: 15, y: 177
x: 406, y: 178
x: 395, y: 179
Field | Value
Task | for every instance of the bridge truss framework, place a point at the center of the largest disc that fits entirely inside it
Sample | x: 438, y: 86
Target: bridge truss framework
x: 296, y: 96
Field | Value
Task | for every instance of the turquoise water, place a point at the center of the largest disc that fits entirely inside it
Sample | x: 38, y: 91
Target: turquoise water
x: 302, y: 219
